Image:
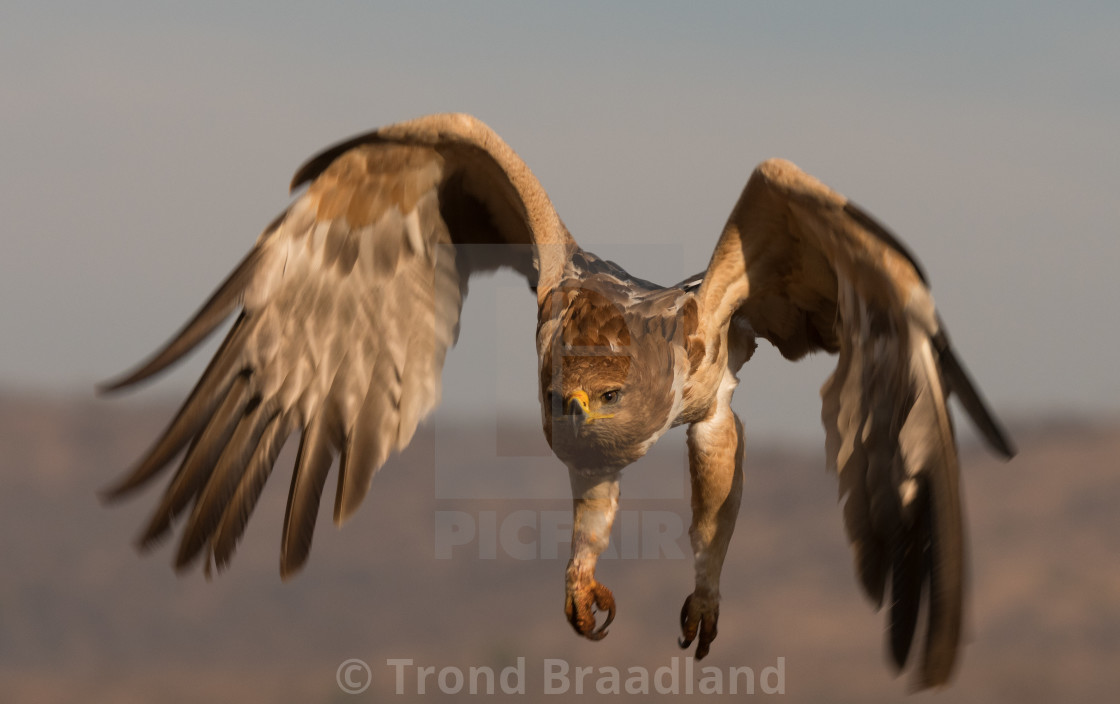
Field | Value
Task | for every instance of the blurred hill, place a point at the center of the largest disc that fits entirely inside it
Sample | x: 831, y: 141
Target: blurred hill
x: 84, y: 618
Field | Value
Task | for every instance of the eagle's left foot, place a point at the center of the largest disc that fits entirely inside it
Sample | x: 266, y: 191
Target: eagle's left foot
x: 581, y: 604
x: 699, y: 614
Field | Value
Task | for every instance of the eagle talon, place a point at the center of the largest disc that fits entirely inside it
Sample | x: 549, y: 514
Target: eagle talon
x: 699, y: 616
x: 583, y: 603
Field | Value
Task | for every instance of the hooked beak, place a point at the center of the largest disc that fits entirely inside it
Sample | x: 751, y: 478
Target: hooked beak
x: 578, y: 409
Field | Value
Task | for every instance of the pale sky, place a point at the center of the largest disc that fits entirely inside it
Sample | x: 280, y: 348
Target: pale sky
x: 145, y: 145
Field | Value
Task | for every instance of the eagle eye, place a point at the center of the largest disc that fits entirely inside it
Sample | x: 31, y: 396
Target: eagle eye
x: 611, y: 396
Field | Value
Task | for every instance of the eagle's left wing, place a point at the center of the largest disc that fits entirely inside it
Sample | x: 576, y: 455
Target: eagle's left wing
x: 801, y: 266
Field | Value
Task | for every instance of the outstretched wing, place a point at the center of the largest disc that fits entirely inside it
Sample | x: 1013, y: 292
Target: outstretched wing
x: 806, y: 269
x: 349, y: 302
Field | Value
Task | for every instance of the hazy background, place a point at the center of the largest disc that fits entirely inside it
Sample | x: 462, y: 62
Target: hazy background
x: 143, y: 146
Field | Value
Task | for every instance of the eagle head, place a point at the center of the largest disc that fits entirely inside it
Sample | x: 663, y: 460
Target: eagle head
x: 605, y: 381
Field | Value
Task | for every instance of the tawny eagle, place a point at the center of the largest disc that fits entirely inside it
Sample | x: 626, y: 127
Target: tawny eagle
x: 350, y: 300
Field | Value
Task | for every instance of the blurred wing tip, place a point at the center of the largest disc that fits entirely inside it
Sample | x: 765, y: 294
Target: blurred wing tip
x: 113, y: 493
x: 342, y: 513
x: 182, y: 568
x: 126, y: 485
x: 998, y: 438
x: 222, y: 562
x: 108, y: 387
x: 934, y: 679
x: 123, y: 381
x: 968, y: 394
x: 219, y: 306
x: 160, y: 361
x: 1004, y: 445
x: 290, y: 568
x: 149, y: 540
x: 187, y: 555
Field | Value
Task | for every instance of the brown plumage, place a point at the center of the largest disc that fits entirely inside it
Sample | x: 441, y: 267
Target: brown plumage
x: 351, y: 298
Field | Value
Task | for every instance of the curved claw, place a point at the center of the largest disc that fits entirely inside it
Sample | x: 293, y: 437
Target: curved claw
x: 699, y: 616
x: 581, y: 605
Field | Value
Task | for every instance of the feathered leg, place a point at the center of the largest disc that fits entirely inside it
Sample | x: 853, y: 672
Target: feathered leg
x: 595, y: 501
x: 715, y: 459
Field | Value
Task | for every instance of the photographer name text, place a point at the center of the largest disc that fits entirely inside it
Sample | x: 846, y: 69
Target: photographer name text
x: 558, y: 676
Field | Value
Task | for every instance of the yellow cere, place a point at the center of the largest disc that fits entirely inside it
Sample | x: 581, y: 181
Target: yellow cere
x: 580, y: 396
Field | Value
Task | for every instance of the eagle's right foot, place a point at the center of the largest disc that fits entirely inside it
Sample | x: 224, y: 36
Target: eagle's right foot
x: 581, y: 604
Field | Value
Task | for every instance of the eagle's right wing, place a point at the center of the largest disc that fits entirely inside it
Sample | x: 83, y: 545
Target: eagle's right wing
x: 348, y: 303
